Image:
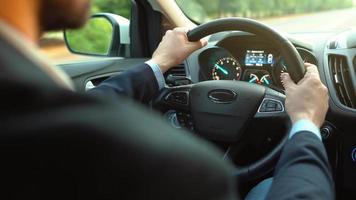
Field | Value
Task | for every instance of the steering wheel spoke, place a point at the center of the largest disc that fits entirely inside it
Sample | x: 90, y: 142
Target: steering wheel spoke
x: 177, y: 98
x: 272, y: 105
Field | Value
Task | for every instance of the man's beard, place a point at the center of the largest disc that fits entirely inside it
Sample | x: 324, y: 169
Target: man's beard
x: 63, y: 14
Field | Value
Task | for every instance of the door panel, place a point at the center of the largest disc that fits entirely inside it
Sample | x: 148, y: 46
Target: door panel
x: 98, y: 69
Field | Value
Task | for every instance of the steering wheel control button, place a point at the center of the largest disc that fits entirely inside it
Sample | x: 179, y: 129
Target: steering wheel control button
x: 185, y: 120
x: 172, y: 118
x: 179, y: 97
x: 279, y: 107
x: 270, y: 106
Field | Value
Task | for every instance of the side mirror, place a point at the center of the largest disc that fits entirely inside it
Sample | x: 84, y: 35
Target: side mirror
x: 104, y: 35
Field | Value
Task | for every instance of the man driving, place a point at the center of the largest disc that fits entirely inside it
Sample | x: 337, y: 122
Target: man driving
x: 59, y: 144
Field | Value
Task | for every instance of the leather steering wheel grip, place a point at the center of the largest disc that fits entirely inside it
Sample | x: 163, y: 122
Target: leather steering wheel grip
x: 289, y: 52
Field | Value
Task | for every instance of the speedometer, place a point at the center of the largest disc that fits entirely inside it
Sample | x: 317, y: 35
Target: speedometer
x: 226, y: 69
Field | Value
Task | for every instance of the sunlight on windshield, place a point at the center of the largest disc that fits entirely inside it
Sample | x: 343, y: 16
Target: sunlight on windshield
x: 284, y: 15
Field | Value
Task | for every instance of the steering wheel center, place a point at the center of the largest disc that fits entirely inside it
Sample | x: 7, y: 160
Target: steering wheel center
x: 221, y: 109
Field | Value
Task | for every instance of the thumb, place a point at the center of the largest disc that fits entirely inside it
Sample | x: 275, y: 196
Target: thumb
x: 204, y: 42
x: 287, y: 81
x: 193, y: 46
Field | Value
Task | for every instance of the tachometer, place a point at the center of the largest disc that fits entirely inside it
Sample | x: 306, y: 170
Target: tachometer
x: 226, y: 69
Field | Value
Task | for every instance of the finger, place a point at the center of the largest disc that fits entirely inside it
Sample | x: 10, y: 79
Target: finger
x: 204, y: 42
x: 311, y: 72
x: 312, y: 69
x: 287, y: 82
x: 197, y: 45
x: 193, y: 46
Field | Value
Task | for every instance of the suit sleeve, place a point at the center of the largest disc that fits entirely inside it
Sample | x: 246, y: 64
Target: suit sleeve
x: 303, y: 171
x: 138, y: 83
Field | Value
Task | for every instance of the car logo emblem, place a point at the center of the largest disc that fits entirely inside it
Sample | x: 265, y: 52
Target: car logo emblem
x: 222, y: 96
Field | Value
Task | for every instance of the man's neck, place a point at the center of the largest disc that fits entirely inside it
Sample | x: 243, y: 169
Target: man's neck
x: 22, y: 15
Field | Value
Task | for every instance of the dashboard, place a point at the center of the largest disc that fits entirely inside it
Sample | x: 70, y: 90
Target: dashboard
x: 246, y: 58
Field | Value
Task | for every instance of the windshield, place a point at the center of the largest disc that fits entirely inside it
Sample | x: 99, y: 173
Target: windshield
x: 284, y: 15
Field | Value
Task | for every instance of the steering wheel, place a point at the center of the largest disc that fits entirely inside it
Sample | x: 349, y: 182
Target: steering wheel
x: 222, y: 110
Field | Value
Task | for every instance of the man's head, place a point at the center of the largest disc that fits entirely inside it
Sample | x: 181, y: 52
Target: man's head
x: 60, y: 14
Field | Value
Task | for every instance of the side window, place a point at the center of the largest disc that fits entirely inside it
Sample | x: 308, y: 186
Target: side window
x: 52, y: 44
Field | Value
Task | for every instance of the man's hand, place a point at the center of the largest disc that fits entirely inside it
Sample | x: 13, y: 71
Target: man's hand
x: 175, y: 48
x: 308, y: 99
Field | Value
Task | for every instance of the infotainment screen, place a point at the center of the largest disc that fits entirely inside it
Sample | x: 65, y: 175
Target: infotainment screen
x: 258, y: 58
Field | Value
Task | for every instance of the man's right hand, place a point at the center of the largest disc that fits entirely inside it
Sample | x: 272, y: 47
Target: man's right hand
x: 309, y: 99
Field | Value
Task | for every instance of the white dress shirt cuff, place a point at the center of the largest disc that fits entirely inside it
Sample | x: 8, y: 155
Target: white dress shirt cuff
x: 304, y: 125
x: 158, y: 74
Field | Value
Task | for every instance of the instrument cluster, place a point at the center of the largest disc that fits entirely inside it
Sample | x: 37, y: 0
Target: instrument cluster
x: 261, y: 66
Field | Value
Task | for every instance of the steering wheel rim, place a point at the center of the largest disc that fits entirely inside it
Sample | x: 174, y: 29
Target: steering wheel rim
x: 292, y: 58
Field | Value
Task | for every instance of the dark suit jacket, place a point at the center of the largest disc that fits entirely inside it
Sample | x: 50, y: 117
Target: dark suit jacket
x: 138, y: 83
x: 303, y: 170
x: 58, y: 144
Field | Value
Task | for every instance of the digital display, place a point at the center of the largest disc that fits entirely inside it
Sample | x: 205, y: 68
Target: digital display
x: 258, y: 58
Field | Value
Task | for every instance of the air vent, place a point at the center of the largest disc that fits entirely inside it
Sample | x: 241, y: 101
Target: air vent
x: 178, y: 70
x: 341, y: 77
